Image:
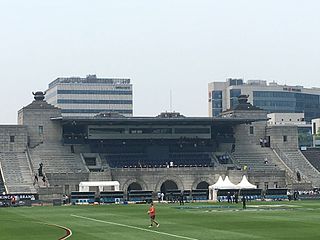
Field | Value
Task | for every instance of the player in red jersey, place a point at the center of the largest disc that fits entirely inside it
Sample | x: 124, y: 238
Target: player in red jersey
x: 152, y: 214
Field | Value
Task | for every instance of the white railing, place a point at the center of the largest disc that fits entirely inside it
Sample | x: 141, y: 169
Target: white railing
x: 4, y: 180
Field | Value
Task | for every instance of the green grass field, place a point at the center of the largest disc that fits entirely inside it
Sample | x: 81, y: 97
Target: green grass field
x: 196, y: 221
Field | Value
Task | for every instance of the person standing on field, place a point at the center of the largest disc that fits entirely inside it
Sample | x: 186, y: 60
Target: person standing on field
x: 152, y: 214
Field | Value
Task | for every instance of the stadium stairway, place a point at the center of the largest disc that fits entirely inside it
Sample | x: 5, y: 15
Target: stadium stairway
x: 255, y: 158
x: 298, y: 162
x: 17, y: 173
x: 56, y: 158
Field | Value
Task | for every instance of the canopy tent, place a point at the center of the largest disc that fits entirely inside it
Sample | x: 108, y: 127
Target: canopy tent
x: 84, y: 186
x: 227, y: 184
x: 245, y: 184
x: 220, y: 184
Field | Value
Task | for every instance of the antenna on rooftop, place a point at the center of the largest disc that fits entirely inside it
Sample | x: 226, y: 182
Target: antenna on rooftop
x: 170, y: 100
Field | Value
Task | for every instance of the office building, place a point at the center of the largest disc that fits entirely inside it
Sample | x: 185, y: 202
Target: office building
x: 91, y: 95
x: 272, y: 97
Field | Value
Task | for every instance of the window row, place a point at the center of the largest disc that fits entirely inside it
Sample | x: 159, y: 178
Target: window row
x: 84, y: 101
x: 94, y: 92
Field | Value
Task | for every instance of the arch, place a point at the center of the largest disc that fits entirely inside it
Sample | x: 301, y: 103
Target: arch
x: 168, y: 185
x: 174, y: 179
x: 208, y: 180
x: 134, y: 186
x: 203, y: 185
x: 130, y: 181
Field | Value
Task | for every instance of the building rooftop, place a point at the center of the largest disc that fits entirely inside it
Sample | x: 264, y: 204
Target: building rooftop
x: 89, y: 79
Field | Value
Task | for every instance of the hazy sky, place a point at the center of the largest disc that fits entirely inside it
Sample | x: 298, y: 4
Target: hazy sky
x: 177, y: 45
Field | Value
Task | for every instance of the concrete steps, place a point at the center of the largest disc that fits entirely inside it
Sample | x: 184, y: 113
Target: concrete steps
x: 56, y: 158
x: 297, y: 162
x: 17, y: 172
x: 255, y: 158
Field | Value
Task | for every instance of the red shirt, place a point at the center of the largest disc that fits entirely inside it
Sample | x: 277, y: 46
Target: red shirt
x: 152, y: 211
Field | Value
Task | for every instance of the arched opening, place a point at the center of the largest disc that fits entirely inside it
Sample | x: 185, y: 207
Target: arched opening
x: 202, y: 185
x: 202, y: 190
x: 134, y: 186
x: 168, y: 185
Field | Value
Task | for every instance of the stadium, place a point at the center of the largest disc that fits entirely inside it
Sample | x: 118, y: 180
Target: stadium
x: 113, y: 161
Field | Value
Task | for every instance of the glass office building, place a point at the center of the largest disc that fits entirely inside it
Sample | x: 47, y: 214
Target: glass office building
x: 91, y: 95
x: 271, y: 97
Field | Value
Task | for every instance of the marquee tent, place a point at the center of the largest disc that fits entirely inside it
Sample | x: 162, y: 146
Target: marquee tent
x: 227, y: 184
x: 220, y: 184
x: 84, y: 186
x: 245, y: 184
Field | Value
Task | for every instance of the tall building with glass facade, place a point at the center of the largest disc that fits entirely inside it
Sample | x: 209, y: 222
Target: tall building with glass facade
x: 91, y: 95
x: 271, y: 97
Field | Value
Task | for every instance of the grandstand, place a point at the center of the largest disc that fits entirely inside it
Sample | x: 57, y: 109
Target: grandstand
x: 16, y: 172
x: 313, y: 156
x: 169, y: 152
x: 56, y: 159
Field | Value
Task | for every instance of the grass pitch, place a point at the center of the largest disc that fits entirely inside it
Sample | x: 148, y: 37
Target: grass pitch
x: 193, y: 221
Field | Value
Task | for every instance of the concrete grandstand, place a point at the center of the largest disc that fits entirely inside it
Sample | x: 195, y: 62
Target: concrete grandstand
x: 169, y: 152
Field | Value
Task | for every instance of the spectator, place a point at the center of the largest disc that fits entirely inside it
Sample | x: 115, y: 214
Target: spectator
x: 181, y: 199
x: 298, y: 176
x: 44, y: 180
x: 40, y: 172
x: 244, y: 205
x: 233, y: 147
x: 36, y: 179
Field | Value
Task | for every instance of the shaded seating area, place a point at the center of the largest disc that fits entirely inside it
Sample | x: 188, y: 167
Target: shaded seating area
x: 313, y: 156
x: 141, y: 160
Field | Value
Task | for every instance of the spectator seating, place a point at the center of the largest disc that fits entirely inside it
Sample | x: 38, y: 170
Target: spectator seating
x: 140, y: 160
x: 298, y: 162
x: 17, y: 172
x: 255, y: 158
x: 313, y: 156
x: 57, y: 158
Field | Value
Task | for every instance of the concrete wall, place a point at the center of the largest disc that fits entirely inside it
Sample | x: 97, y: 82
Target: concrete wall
x: 277, y: 135
x: 244, y: 136
x: 153, y: 178
x: 35, y: 118
x: 20, y: 135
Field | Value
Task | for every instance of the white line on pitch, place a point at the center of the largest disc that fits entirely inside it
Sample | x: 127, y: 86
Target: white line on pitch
x: 133, y: 227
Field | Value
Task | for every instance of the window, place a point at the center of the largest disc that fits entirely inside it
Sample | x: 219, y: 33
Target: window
x: 266, y: 185
x: 251, y: 129
x: 40, y: 130
x: 257, y: 184
x: 285, y: 138
x: 11, y: 139
x: 275, y: 184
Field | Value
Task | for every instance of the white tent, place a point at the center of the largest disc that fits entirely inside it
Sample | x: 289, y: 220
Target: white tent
x: 227, y: 184
x: 245, y: 184
x: 84, y: 186
x: 220, y: 184
x: 213, y: 189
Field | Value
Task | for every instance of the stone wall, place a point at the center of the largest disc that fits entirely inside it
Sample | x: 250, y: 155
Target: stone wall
x: 284, y: 137
x: 13, y: 138
x: 250, y: 133
x: 34, y: 119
